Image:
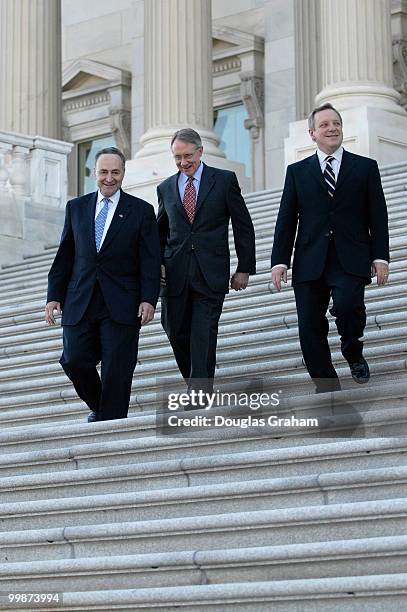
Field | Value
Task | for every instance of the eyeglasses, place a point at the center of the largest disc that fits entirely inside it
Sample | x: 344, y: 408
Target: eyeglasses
x: 186, y: 157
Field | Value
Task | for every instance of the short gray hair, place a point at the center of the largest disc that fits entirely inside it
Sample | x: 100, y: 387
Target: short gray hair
x: 111, y: 151
x: 187, y: 135
x: 318, y: 109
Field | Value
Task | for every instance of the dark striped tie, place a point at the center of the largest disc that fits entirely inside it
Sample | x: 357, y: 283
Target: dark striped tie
x: 329, y: 175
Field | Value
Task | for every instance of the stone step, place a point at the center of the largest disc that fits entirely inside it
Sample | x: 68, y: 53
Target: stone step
x: 257, y: 285
x: 363, y: 412
x: 287, y: 373
x: 323, y: 523
x: 372, y: 593
x: 303, y: 488
x: 185, y: 501
x: 47, y: 408
x: 266, y: 342
x: 20, y: 354
x: 261, y: 563
x: 235, y: 309
x: 29, y: 291
x: 281, y: 343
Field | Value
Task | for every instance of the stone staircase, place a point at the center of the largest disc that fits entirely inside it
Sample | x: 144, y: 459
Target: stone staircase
x: 118, y: 517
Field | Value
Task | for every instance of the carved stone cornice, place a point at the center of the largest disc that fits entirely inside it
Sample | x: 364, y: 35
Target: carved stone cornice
x: 226, y: 65
x: 87, y: 101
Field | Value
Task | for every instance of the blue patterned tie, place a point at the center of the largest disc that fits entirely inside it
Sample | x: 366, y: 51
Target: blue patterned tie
x: 100, y: 222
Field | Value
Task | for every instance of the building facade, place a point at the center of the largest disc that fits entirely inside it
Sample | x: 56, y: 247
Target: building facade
x: 245, y: 73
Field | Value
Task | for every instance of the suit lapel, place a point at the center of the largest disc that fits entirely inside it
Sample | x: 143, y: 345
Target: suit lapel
x: 90, y: 219
x: 206, y: 184
x: 315, y: 170
x: 121, y: 213
x: 347, y: 166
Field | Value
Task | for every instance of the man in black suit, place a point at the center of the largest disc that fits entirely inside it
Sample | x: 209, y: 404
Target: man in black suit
x: 195, y: 206
x: 335, y: 199
x: 105, y: 279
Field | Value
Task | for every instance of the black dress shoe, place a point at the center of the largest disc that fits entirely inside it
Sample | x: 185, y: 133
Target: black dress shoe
x: 92, y: 417
x: 360, y: 371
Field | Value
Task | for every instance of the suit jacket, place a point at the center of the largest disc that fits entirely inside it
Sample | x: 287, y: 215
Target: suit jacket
x: 127, y: 265
x: 356, y: 215
x: 219, y: 200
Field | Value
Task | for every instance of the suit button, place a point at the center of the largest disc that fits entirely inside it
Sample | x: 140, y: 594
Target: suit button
x: 331, y: 232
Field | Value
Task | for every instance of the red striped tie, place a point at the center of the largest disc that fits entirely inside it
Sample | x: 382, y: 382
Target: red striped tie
x: 189, y: 200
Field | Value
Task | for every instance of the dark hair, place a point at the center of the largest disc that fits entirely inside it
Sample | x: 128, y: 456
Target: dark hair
x: 187, y: 135
x: 318, y: 109
x: 111, y: 151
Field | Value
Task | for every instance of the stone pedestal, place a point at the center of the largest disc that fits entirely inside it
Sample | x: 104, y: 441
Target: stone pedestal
x: 357, y: 78
x: 178, y: 91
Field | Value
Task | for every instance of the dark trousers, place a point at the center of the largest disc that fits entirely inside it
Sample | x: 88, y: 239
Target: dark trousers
x: 312, y: 299
x: 191, y: 324
x: 97, y: 339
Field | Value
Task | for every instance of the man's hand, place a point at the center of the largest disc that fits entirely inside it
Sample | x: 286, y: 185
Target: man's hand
x: 381, y: 271
x: 49, y: 312
x: 278, y: 274
x: 239, y: 281
x: 146, y: 312
x: 162, y: 276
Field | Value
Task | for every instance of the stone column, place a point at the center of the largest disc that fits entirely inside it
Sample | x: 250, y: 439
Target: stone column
x: 30, y: 67
x: 356, y: 52
x: 307, y: 55
x: 357, y: 78
x: 178, y: 90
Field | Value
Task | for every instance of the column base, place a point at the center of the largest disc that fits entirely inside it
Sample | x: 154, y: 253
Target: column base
x: 373, y: 132
x: 144, y: 173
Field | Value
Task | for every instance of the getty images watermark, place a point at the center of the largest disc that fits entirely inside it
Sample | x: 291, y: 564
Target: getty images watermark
x: 244, y: 407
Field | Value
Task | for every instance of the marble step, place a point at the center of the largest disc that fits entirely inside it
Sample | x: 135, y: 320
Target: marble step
x: 322, y: 523
x: 231, y: 566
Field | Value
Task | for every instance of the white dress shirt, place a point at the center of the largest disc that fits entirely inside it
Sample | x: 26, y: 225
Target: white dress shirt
x: 113, y: 202
x: 183, y: 179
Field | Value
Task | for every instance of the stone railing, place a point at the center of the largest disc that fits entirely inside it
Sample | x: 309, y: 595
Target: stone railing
x: 33, y: 192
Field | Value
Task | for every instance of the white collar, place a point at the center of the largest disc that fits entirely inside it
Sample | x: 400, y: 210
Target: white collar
x: 336, y: 154
x: 197, y: 175
x: 113, y: 198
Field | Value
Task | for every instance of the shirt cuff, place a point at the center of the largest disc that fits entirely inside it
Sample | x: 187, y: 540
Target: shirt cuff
x: 381, y: 261
x: 282, y: 266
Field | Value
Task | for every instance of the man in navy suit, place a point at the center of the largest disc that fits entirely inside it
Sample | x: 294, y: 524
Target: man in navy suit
x: 334, y: 209
x: 105, y: 280
x: 195, y: 207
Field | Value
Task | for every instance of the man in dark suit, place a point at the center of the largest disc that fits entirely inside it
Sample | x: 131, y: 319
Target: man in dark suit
x: 335, y: 200
x: 195, y: 206
x: 105, y: 279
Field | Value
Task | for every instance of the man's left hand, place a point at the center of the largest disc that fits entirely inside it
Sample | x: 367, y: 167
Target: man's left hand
x: 239, y: 281
x: 146, y: 312
x: 381, y: 271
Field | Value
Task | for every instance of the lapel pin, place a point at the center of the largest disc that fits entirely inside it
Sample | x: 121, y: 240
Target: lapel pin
x: 121, y: 216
